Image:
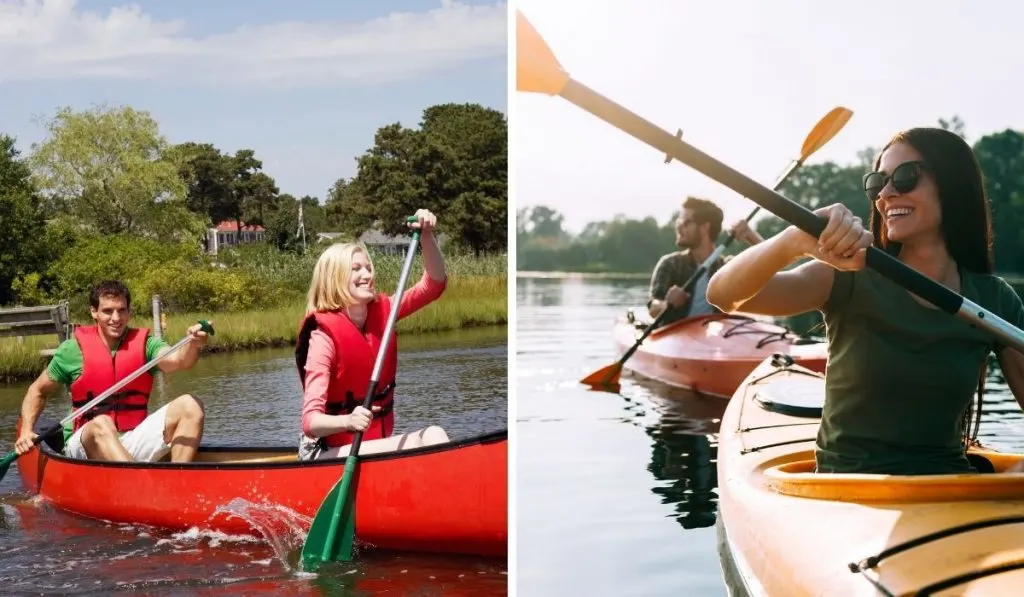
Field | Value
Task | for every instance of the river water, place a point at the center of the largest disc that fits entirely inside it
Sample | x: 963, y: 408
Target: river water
x: 458, y: 380
x: 616, y: 493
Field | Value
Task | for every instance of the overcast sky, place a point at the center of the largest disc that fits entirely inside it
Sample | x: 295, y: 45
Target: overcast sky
x: 746, y: 81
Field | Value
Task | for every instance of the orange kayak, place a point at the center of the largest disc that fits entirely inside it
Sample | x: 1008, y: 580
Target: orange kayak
x: 712, y: 354
x: 786, y: 530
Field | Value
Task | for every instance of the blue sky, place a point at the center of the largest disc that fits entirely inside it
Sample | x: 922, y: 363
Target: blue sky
x: 304, y: 83
x: 746, y: 80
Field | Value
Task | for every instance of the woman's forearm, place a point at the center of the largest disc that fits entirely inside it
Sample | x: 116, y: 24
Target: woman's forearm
x: 433, y: 261
x: 321, y: 424
x: 747, y: 273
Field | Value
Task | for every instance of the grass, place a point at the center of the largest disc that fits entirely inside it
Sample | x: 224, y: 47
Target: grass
x: 469, y: 301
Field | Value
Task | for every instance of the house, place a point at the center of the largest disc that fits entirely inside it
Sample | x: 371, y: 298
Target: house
x: 226, y: 233
x: 387, y: 244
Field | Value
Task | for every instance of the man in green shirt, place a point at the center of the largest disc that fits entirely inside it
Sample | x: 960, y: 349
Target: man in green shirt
x: 697, y: 228
x: 95, y: 359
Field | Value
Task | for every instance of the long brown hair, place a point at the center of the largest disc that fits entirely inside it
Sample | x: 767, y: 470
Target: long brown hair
x: 966, y: 219
x: 966, y: 216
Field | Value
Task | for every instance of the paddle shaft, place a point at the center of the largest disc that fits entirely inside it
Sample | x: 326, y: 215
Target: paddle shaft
x: 352, y: 462
x: 790, y: 211
x: 371, y: 390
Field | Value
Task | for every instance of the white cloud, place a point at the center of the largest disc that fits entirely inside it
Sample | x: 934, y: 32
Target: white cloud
x: 54, y: 39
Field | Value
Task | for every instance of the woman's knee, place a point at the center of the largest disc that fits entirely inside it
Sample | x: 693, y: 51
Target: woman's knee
x: 434, y: 435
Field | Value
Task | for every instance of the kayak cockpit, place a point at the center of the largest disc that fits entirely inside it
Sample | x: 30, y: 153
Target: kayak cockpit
x: 795, y: 476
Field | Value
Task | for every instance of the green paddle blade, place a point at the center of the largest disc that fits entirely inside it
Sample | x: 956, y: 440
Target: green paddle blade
x: 5, y: 463
x: 332, y: 534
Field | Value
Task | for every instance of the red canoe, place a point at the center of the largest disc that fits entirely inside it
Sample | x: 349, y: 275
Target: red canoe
x: 448, y: 498
x: 712, y: 354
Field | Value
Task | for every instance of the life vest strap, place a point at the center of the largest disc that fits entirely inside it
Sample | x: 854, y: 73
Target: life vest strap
x: 114, y: 403
x: 350, y: 403
x: 115, y: 399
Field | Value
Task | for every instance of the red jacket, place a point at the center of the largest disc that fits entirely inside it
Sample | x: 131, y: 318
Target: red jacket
x: 355, y: 354
x: 100, y: 372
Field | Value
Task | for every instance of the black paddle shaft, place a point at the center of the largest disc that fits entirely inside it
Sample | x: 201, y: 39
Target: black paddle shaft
x: 790, y: 211
x: 371, y: 391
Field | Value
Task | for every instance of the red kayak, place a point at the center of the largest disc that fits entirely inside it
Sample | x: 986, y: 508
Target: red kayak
x: 447, y: 498
x: 712, y: 354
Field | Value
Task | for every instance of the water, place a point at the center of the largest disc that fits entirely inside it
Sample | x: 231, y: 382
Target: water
x: 456, y: 380
x: 616, y: 493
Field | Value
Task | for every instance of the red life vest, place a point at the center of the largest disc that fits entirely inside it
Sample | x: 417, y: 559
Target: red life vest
x: 356, y: 353
x: 100, y: 372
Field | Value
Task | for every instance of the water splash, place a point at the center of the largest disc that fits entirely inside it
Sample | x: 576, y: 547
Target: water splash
x: 283, y: 528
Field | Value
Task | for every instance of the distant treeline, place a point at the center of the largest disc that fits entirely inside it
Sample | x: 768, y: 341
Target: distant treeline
x: 627, y: 245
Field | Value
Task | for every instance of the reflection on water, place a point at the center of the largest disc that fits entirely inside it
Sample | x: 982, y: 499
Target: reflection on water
x: 617, y: 492
x: 684, y: 453
x: 457, y: 380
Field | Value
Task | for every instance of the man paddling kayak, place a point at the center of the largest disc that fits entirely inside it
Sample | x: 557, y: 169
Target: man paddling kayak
x: 901, y: 374
x: 697, y: 228
x: 337, y: 347
x: 96, y: 358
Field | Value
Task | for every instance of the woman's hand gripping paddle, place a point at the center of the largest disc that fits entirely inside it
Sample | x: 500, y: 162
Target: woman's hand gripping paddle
x: 332, y: 533
x: 5, y: 462
x: 607, y: 378
x: 538, y: 71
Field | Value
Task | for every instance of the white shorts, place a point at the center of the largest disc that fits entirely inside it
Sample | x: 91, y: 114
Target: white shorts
x: 145, y: 443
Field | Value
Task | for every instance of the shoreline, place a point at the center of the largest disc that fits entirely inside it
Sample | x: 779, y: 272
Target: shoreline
x: 582, y: 275
x: 240, y: 332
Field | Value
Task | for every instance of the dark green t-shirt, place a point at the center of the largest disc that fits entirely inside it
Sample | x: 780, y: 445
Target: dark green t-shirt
x: 901, y: 375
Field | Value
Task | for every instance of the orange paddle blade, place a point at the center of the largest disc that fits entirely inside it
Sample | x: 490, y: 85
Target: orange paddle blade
x: 823, y: 132
x: 606, y: 378
x: 537, y: 69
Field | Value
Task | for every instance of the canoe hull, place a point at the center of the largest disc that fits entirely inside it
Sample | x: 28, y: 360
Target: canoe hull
x: 785, y: 530
x: 450, y: 498
x: 712, y: 354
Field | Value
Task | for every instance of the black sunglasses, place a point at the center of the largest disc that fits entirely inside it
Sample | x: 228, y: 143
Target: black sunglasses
x: 904, y: 179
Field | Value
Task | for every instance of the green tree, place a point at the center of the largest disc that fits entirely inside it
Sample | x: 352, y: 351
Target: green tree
x: 23, y: 251
x: 818, y: 185
x: 106, y: 166
x: 1001, y: 157
x: 347, y: 209
x: 455, y: 164
x: 222, y: 187
x: 283, y: 225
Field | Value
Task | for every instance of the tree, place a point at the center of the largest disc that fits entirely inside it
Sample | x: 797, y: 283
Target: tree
x: 1001, y: 157
x: 543, y: 222
x: 283, y: 225
x: 107, y: 167
x: 818, y: 185
x: 455, y: 164
x: 347, y: 209
x: 209, y: 178
x: 223, y: 186
x: 22, y: 225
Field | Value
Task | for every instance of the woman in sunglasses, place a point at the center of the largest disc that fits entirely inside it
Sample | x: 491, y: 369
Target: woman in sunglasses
x: 901, y: 373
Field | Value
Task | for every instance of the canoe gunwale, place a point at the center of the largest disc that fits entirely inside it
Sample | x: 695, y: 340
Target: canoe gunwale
x: 481, y: 439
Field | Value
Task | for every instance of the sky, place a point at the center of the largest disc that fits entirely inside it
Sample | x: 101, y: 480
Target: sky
x: 746, y: 81
x: 304, y: 83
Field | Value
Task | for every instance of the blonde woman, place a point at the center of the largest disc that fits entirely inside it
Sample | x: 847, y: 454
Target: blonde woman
x: 337, y: 348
